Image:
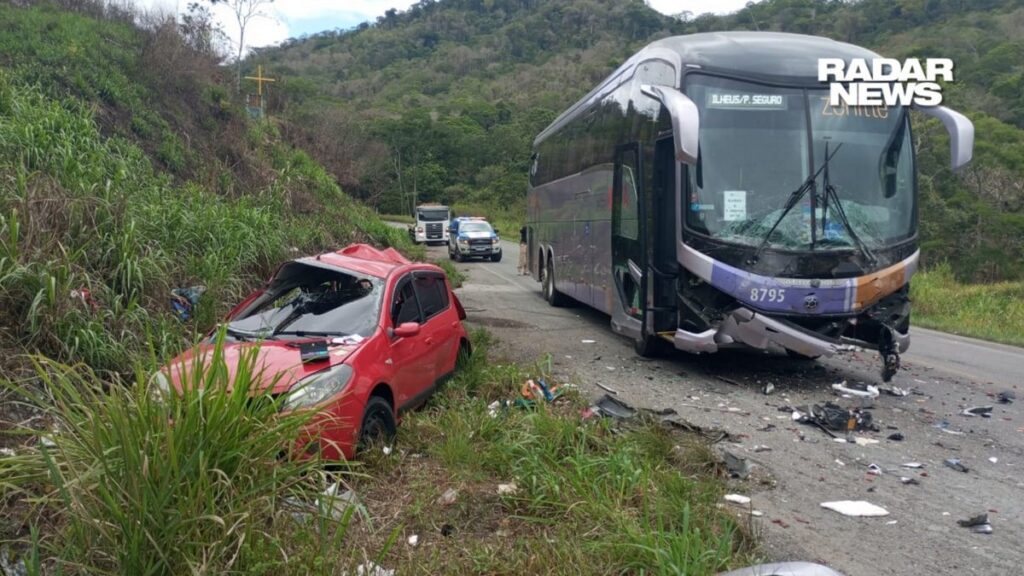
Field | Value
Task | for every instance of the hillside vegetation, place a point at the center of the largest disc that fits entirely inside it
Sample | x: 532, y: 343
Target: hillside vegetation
x: 441, y: 102
x: 121, y: 179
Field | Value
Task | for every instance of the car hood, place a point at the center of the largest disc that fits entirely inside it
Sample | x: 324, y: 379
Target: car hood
x: 277, y: 362
x: 477, y: 235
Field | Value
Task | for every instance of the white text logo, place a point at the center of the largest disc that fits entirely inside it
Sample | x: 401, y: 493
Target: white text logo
x: 885, y: 81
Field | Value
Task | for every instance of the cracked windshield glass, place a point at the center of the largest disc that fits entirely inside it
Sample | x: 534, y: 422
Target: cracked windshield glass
x: 754, y: 152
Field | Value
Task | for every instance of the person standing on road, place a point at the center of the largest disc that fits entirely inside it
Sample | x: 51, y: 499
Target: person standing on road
x: 522, y: 252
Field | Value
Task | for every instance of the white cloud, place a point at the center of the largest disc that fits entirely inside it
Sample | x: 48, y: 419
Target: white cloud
x: 293, y: 17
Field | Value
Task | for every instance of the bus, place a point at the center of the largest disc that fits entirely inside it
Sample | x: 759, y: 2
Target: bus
x: 706, y: 195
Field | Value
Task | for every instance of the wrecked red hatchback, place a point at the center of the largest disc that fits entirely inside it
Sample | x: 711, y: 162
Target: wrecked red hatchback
x: 359, y: 335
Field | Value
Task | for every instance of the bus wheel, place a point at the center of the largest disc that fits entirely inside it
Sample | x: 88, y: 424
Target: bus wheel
x: 551, y: 294
x: 649, y: 346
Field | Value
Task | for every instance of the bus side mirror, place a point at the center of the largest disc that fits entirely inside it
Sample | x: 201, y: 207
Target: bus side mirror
x: 685, y: 120
x: 961, y: 133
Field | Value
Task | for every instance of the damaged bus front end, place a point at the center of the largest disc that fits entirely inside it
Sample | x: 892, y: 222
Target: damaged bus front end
x: 744, y: 209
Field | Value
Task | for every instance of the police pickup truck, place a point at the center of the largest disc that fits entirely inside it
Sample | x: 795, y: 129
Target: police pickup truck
x: 471, y: 237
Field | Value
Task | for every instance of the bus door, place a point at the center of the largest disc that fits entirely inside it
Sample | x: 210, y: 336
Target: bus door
x: 628, y: 248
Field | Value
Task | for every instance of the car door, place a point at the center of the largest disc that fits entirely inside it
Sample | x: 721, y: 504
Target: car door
x: 439, y: 325
x: 412, y: 358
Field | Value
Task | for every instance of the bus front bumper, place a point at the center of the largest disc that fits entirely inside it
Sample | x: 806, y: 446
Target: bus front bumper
x: 745, y: 327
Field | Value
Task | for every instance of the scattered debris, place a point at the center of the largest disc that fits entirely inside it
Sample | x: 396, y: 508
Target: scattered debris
x: 339, y: 503
x: 994, y: 460
x: 609, y: 406
x: 738, y: 467
x: 386, y: 450
x: 866, y: 393
x: 509, y: 488
x: 956, y: 464
x: 492, y: 408
x: 874, y: 469
x: 539, y: 389
x: 371, y: 569
x: 769, y: 388
x: 447, y: 530
x: 413, y: 540
x: 895, y: 437
x: 855, y: 508
x: 983, y: 411
x: 859, y: 441
x: 184, y: 300
x: 7, y: 452
x: 761, y: 448
x: 608, y: 389
x: 894, y: 391
x: 908, y: 480
x: 912, y: 465
x: 756, y: 513
x: 832, y: 417
x: 587, y: 341
x: 1006, y: 397
x: 978, y: 524
x: 737, y: 499
x: 448, y: 497
x: 11, y: 564
x: 944, y: 426
x: 786, y: 568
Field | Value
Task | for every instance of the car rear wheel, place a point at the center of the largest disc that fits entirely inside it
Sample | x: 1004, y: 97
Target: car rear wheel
x: 379, y: 424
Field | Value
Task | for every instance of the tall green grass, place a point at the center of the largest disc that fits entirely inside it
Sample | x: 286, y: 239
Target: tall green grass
x: 130, y: 481
x: 987, y: 311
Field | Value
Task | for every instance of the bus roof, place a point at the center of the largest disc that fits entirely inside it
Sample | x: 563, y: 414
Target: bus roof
x: 777, y: 56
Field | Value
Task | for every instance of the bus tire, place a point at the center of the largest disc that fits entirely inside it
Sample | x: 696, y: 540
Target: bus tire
x: 649, y: 346
x: 551, y: 294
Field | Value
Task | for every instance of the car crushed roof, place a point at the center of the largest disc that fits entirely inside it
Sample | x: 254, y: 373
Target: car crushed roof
x: 361, y: 258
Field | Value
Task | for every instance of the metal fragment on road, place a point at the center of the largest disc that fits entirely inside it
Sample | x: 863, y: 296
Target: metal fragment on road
x: 857, y: 508
x: 608, y: 389
x: 956, y: 464
x: 983, y: 411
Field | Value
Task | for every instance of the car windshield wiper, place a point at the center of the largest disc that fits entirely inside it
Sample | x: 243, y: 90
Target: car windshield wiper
x: 304, y: 333
x: 830, y: 194
x: 794, y: 198
x: 246, y: 335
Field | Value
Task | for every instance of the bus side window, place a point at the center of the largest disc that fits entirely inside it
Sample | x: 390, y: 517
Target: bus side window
x: 629, y: 207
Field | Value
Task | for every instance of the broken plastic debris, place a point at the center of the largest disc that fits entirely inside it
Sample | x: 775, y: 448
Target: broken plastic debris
x: 858, y: 508
x: 509, y: 488
x: 864, y: 441
x: 338, y: 503
x: 1006, y: 397
x: 874, y: 469
x: 993, y: 460
x: 912, y: 465
x: 944, y: 426
x: 762, y: 448
x: 868, y: 391
x: 978, y: 524
x: 413, y: 540
x: 756, y: 513
x: 737, y: 499
x: 956, y: 464
x: 448, y: 497
x: 908, y: 480
x: 587, y: 341
x: 895, y: 437
x: 895, y: 391
x: 983, y: 411
x: 982, y: 529
x: 371, y: 569
x: 769, y: 388
x: 737, y: 466
x: 492, y: 408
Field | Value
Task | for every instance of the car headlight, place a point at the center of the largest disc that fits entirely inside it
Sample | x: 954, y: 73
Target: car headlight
x: 159, y: 387
x: 495, y: 240
x: 315, y: 389
x: 463, y: 242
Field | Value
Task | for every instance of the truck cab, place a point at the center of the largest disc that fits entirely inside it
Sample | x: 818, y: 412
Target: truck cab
x: 431, y: 226
x: 473, y: 237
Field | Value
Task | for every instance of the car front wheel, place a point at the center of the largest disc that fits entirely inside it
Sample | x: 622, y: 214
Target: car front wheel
x: 378, y: 423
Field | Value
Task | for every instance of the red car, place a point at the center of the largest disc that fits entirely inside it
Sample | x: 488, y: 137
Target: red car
x: 360, y: 335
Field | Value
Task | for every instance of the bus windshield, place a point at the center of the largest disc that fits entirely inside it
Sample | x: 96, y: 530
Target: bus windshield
x: 759, y: 143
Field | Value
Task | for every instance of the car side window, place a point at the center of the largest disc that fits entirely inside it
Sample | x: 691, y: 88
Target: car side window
x: 432, y: 294
x: 405, y: 308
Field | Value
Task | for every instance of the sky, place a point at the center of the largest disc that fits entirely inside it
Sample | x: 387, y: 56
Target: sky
x: 293, y: 18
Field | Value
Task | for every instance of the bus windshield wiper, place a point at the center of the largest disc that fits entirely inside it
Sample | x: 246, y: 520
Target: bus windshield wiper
x: 831, y: 195
x: 794, y: 198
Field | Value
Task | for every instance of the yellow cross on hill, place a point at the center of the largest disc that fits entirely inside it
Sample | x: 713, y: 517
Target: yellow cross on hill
x: 259, y: 79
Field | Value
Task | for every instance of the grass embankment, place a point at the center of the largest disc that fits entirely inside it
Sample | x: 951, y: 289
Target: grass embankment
x: 988, y: 311
x: 125, y: 491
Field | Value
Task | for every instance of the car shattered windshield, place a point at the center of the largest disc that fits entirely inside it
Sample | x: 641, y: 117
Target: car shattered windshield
x: 305, y: 300
x: 757, y: 147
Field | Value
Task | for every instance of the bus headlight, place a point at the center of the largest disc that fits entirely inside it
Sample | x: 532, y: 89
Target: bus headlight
x: 318, y: 387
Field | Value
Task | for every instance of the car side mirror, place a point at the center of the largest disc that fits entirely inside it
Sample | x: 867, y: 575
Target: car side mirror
x: 496, y: 231
x: 407, y: 329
